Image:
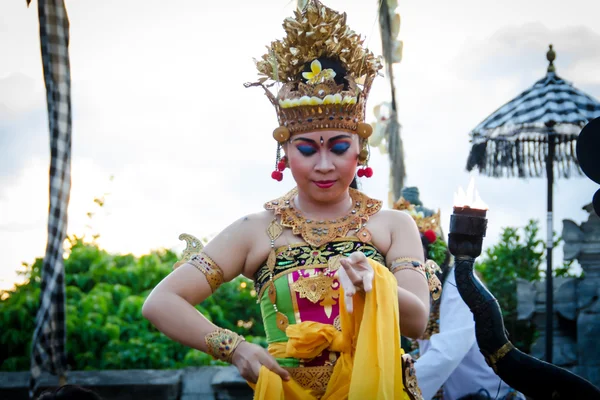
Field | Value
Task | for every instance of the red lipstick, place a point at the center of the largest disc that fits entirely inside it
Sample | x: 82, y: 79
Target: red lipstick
x: 324, y: 184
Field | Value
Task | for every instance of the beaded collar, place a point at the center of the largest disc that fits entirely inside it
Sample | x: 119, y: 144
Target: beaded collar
x: 317, y: 233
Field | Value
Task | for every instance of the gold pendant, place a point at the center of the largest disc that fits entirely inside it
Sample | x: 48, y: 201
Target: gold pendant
x: 271, y: 260
x: 314, y: 288
x: 282, y: 321
x: 272, y: 293
x: 364, y: 235
x: 329, y: 300
x: 274, y: 230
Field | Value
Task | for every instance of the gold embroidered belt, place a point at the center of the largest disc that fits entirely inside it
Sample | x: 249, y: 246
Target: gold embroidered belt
x: 314, y: 379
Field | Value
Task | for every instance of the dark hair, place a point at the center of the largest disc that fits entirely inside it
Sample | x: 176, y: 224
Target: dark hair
x: 70, y: 392
x: 354, y: 184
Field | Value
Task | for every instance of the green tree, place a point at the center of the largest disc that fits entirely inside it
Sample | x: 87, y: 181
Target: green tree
x: 105, y: 328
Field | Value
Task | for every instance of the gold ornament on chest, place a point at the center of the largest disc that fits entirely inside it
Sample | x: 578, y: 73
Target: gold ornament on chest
x: 314, y: 288
x: 319, y: 286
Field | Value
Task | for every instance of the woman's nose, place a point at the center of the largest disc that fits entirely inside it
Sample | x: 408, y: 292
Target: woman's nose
x: 324, y: 164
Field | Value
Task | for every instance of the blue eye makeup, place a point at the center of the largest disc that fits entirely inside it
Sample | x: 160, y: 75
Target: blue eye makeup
x: 340, y: 147
x: 306, y: 149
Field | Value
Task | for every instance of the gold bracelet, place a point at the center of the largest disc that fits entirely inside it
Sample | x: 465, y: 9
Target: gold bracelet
x: 210, y: 269
x: 221, y: 343
x: 427, y: 271
x: 418, y: 270
x: 406, y: 263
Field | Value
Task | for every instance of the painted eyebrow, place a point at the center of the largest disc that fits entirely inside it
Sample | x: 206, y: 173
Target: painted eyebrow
x: 328, y: 141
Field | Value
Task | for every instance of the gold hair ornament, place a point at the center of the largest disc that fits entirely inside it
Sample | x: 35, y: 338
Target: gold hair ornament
x: 312, y: 100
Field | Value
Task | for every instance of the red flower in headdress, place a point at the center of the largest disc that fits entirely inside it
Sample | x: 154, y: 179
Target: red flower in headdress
x: 430, y: 235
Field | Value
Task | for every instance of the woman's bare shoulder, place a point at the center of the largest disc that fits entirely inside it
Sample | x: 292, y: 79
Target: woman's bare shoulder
x: 257, y: 239
x: 259, y: 221
x: 394, y: 218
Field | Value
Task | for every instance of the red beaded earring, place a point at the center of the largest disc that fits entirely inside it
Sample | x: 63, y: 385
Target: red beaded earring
x: 366, y: 172
x: 363, y: 159
x: 280, y: 164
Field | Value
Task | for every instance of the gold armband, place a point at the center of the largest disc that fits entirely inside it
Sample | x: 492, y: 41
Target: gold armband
x: 221, y: 344
x: 210, y: 269
x: 428, y: 271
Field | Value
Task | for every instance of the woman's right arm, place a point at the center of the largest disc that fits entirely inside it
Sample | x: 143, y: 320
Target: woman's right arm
x: 170, y: 306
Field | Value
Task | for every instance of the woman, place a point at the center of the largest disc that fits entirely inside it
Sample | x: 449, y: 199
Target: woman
x: 321, y: 255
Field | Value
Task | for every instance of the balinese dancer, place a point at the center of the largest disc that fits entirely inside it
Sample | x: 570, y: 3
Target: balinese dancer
x: 337, y: 276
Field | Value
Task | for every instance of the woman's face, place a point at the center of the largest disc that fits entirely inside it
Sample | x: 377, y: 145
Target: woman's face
x: 323, y: 163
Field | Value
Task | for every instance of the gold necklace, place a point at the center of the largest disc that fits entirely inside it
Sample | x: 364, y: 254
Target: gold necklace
x: 315, y: 233
x: 318, y: 232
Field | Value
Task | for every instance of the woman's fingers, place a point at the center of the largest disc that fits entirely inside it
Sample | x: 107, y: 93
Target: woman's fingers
x: 272, y: 364
x: 349, y: 289
x: 367, y: 280
x: 365, y: 271
x: 358, y: 257
x: 351, y: 272
x: 249, y: 358
x: 359, y: 271
x: 255, y: 371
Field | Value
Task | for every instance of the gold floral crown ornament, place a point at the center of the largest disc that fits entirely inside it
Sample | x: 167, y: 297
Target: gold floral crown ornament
x: 312, y: 96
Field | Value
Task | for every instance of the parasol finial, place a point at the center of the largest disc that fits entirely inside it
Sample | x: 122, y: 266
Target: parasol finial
x: 551, y: 56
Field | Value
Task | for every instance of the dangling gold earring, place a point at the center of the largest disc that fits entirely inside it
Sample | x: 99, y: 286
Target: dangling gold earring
x: 280, y: 164
x: 363, y: 160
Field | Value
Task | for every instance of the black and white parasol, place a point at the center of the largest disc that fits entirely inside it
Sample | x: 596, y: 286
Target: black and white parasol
x: 533, y: 135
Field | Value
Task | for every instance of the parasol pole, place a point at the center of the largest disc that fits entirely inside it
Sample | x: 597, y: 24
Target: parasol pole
x: 550, y: 56
x: 549, y: 247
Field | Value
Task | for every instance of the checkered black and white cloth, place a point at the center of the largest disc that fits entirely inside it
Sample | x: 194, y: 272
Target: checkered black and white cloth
x: 49, y: 338
x: 549, y: 99
x: 514, y: 140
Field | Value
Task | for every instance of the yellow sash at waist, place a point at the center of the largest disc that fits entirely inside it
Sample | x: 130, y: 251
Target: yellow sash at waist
x: 308, y: 339
x: 370, y: 339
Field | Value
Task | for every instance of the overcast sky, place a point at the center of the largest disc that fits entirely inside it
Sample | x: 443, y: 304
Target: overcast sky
x: 159, y: 104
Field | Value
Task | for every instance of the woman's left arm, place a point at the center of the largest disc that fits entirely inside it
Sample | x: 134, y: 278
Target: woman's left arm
x: 413, y: 290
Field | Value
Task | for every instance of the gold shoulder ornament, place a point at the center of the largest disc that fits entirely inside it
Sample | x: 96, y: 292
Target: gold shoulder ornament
x: 194, y: 254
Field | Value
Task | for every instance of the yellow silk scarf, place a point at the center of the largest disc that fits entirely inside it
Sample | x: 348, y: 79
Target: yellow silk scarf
x: 370, y: 339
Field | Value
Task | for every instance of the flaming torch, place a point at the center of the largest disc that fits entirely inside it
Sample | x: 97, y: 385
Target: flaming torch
x: 531, y: 376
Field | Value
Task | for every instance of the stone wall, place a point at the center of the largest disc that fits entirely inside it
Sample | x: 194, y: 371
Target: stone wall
x: 576, y: 303
x: 218, y: 383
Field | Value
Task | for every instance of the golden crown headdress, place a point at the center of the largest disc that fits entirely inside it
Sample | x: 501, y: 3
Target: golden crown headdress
x: 423, y: 223
x: 310, y: 97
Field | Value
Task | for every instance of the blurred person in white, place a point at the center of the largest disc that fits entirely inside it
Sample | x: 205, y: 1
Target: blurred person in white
x: 449, y: 364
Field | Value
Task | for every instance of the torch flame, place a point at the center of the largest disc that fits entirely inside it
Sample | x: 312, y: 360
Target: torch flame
x: 469, y: 199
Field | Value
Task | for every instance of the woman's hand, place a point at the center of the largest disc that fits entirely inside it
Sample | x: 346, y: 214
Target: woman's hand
x: 249, y: 357
x: 356, y: 275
